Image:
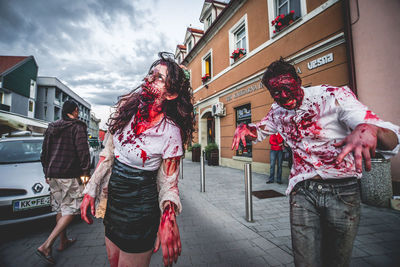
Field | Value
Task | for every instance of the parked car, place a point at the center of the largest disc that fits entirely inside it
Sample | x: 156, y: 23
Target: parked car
x: 24, y: 193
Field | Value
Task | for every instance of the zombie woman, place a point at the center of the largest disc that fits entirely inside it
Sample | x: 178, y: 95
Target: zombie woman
x: 141, y: 161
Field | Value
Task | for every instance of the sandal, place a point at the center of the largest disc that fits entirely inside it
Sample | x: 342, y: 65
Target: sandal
x: 49, y: 259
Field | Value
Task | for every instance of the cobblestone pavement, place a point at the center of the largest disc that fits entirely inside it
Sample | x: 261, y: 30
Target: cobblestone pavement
x: 213, y: 229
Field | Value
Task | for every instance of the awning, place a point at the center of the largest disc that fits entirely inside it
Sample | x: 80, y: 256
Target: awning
x: 10, y: 122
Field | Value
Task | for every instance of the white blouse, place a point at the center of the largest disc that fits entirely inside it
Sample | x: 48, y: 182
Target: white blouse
x: 147, y: 150
x: 326, y: 116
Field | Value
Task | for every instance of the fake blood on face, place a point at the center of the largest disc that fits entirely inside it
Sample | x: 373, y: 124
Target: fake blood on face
x: 286, y: 91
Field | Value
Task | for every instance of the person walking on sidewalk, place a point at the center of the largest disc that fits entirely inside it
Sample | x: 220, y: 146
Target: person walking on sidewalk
x: 329, y: 132
x: 276, y: 157
x: 65, y: 158
x: 149, y: 128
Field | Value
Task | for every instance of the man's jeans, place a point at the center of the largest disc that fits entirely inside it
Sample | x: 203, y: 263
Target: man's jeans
x: 324, y: 218
x: 275, y: 156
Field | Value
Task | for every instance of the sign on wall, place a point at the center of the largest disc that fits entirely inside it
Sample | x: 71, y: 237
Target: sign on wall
x: 246, y: 91
x: 320, y: 61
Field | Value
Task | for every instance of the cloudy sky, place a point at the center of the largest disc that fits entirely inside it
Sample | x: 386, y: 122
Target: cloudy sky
x: 99, y: 48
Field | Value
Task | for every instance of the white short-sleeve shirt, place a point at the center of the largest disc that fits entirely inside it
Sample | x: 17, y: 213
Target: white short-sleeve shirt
x: 326, y: 116
x: 147, y: 150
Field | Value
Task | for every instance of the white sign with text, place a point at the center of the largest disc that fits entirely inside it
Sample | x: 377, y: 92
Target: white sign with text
x: 320, y: 61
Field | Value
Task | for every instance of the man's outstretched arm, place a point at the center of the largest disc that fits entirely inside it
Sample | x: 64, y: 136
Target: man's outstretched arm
x: 241, y: 132
x: 363, y: 141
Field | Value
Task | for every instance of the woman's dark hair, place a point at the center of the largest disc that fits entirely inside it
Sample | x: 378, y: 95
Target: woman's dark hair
x: 277, y: 68
x: 68, y: 107
x: 178, y: 110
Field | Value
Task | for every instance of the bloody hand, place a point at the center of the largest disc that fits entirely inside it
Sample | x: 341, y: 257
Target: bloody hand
x: 362, y: 142
x: 87, y: 202
x: 168, y: 235
x: 241, y: 132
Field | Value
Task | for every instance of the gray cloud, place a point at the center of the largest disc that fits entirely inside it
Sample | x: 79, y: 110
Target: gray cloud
x: 101, y: 49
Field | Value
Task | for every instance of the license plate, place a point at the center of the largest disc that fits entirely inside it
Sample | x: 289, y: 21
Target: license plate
x: 31, y: 203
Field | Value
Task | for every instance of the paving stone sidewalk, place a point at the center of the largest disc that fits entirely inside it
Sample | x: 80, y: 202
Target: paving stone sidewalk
x: 213, y: 229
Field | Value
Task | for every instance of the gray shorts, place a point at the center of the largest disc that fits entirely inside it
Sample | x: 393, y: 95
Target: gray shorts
x: 66, y: 195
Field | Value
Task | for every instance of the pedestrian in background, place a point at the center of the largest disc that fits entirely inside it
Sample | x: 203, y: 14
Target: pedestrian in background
x: 329, y: 132
x: 276, y: 158
x: 65, y: 159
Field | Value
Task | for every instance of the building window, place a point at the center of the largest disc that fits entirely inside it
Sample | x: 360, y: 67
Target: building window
x: 190, y: 45
x: 57, y: 112
x: 285, y: 12
x: 208, y: 21
x: 210, y: 130
x: 207, y: 67
x: 32, y: 93
x: 243, y: 115
x: 1, y: 97
x: 30, y: 106
x: 285, y: 6
x: 238, y: 40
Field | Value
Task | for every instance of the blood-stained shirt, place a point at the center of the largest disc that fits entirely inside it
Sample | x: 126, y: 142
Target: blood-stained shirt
x: 326, y: 116
x: 147, y: 150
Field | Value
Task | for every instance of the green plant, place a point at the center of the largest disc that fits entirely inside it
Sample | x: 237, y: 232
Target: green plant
x: 211, y: 147
x: 189, y: 148
x: 195, y: 145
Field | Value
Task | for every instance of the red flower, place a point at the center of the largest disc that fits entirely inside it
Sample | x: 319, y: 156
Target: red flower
x: 291, y: 11
x: 282, y: 16
x: 279, y: 24
x: 274, y: 31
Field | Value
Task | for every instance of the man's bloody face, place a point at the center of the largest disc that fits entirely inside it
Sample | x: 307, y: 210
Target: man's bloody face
x: 154, y: 82
x: 286, y: 91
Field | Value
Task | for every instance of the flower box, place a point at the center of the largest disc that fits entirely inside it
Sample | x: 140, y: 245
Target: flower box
x: 196, y: 152
x: 282, y: 21
x: 238, y: 53
x: 205, y: 78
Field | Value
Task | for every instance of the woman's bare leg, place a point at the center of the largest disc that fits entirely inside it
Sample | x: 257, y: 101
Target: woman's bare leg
x: 134, y: 259
x: 119, y: 258
x: 112, y: 253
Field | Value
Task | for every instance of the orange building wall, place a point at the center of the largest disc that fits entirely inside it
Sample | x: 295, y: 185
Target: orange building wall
x: 323, y: 26
x: 313, y: 4
x: 318, y: 29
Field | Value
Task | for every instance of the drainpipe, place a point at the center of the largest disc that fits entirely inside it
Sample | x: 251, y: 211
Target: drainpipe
x: 349, y: 46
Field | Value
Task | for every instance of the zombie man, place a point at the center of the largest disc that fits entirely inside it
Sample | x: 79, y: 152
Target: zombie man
x: 329, y: 132
x: 140, y: 167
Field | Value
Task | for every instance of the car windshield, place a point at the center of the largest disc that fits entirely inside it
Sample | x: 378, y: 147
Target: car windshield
x: 20, y: 151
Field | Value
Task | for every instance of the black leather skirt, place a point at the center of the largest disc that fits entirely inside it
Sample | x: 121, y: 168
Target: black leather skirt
x: 132, y: 215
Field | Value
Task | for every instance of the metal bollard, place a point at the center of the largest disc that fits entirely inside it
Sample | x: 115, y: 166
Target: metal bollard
x: 181, y: 168
x: 248, y: 191
x: 202, y: 173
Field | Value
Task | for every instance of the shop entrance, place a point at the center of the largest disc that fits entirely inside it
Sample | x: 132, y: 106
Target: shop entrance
x: 207, y: 129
